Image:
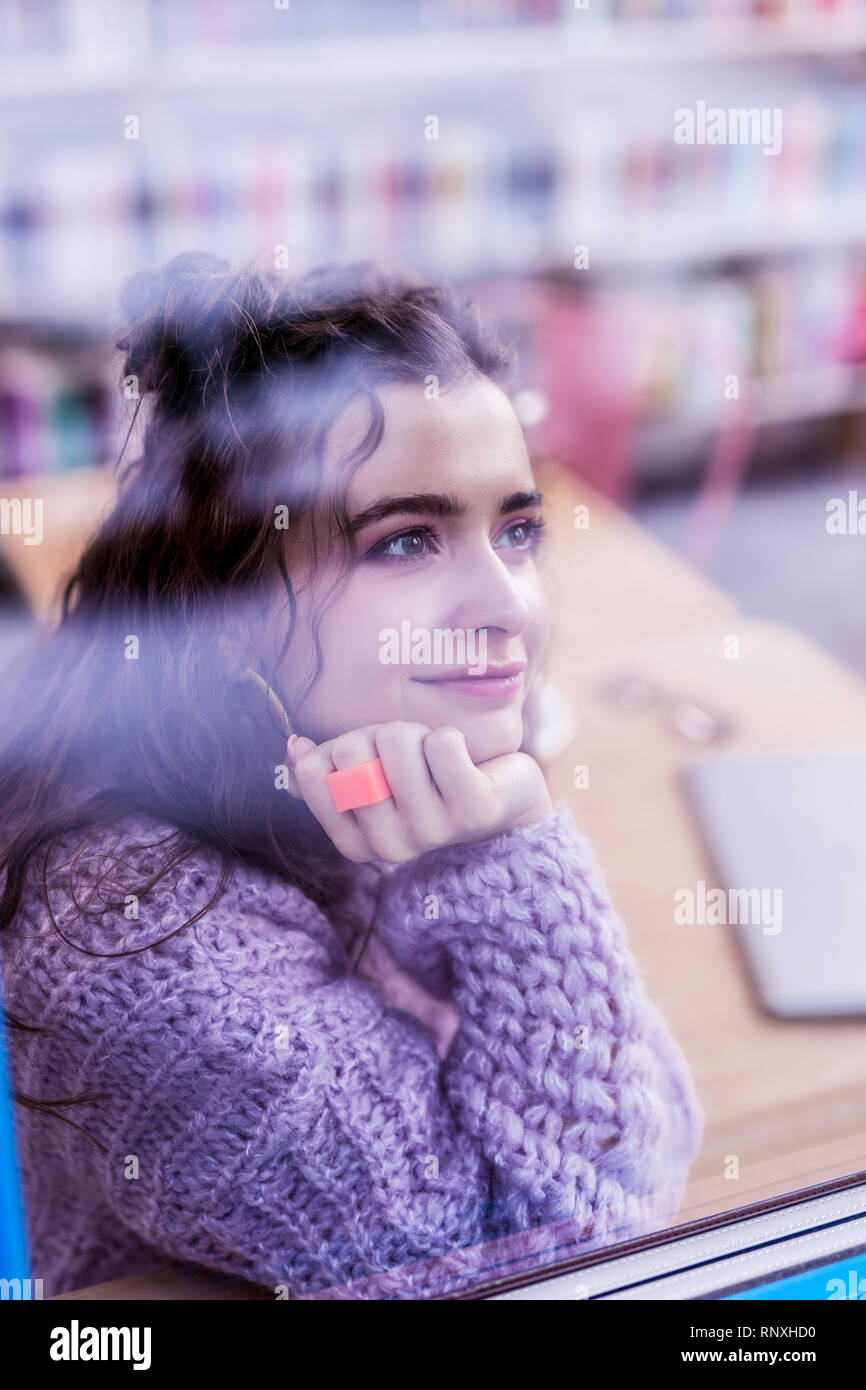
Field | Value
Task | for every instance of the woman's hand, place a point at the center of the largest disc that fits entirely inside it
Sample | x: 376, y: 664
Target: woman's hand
x: 440, y: 797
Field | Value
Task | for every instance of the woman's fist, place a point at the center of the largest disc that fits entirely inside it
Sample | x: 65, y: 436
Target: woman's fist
x: 440, y: 797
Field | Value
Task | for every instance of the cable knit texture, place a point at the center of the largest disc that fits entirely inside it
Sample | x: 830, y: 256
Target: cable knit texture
x: 269, y: 1114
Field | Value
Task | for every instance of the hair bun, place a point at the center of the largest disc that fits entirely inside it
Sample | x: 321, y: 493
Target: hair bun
x: 172, y: 316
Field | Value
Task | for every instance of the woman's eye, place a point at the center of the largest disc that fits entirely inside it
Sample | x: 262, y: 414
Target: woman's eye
x: 409, y: 545
x: 524, y: 535
x: 421, y: 541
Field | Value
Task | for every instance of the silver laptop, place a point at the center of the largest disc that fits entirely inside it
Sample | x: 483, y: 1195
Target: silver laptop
x: 787, y: 836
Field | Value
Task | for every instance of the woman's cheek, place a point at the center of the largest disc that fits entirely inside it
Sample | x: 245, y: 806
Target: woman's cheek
x: 541, y: 624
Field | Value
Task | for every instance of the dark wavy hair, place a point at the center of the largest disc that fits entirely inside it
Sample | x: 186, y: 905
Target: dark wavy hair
x: 241, y: 375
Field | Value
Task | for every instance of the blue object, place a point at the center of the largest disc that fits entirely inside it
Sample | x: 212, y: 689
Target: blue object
x: 844, y: 1279
x: 14, y: 1262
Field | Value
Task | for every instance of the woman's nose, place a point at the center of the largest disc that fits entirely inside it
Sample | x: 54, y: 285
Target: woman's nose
x: 489, y: 596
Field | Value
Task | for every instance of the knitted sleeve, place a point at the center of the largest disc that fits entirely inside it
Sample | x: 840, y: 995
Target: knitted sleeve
x: 264, y: 1113
x: 268, y: 1116
x: 562, y: 1068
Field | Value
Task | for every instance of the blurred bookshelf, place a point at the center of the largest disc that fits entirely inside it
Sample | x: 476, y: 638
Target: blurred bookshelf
x: 129, y: 133
x: 57, y: 409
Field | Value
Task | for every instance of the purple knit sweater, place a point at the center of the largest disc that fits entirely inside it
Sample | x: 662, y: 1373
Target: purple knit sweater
x: 267, y: 1114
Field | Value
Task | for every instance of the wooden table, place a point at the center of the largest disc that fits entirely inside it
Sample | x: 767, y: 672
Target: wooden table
x: 787, y: 1099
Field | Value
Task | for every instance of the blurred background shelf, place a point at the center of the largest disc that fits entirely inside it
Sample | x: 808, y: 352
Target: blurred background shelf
x: 464, y: 139
x: 168, y: 45
x: 575, y: 44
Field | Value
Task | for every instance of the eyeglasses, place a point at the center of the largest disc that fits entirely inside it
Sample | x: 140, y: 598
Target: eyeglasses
x: 634, y: 694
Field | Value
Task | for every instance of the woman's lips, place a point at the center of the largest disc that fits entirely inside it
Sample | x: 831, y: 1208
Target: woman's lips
x: 494, y: 684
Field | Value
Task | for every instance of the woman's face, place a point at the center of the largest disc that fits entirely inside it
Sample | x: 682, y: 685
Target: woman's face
x: 444, y: 580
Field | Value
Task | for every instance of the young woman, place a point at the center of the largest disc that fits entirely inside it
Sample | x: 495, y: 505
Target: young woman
x: 309, y: 1046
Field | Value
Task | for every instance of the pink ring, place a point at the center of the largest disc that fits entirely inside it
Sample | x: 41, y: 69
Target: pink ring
x: 362, y: 785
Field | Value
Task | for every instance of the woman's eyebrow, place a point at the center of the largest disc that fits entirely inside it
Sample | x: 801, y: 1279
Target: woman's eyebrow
x: 433, y: 504
x: 517, y: 501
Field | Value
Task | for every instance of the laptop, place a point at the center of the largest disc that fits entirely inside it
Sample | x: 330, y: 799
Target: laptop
x: 787, y: 836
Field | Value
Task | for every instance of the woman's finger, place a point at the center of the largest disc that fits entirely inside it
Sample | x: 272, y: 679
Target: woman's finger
x: 417, y: 799
x: 380, y: 823
x: 294, y: 748
x: 311, y: 767
x: 464, y: 790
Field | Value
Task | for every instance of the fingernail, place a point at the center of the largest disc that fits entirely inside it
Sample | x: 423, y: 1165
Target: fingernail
x: 290, y: 746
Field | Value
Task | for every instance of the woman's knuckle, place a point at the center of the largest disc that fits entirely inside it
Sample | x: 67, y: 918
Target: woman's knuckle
x: 349, y: 749
x: 389, y: 736
x: 417, y: 730
x: 446, y: 737
x: 398, y: 733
